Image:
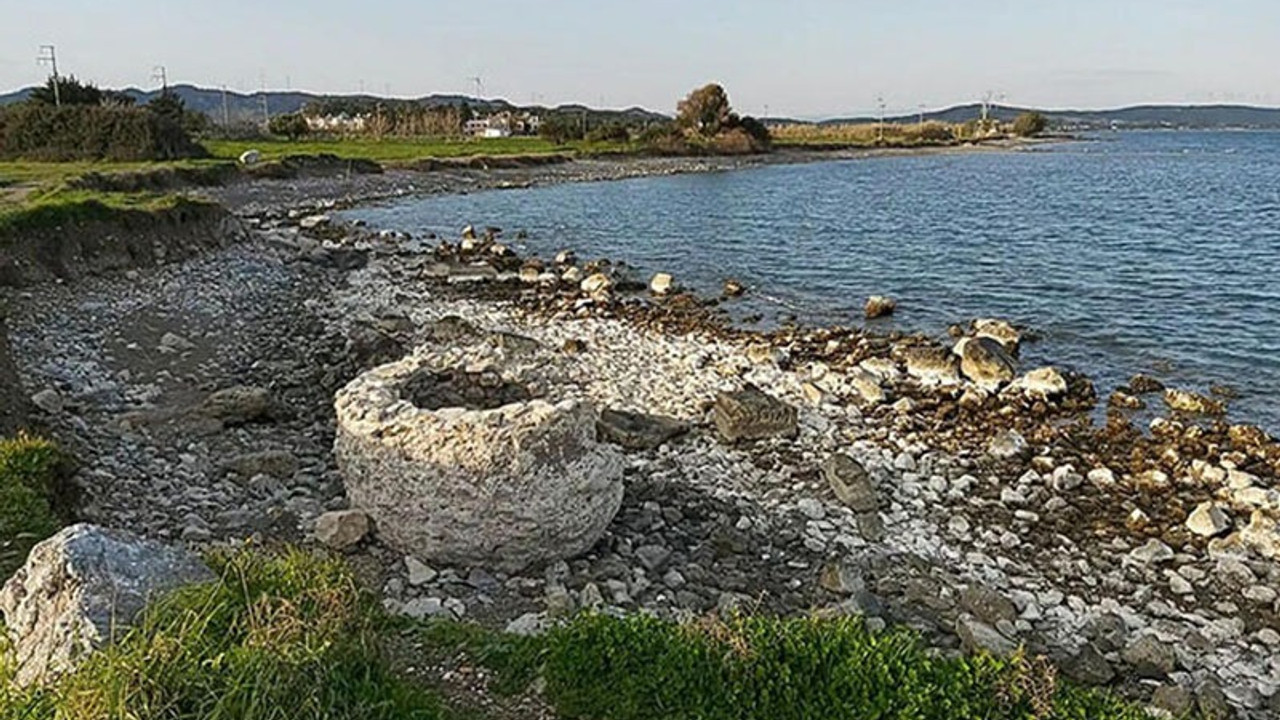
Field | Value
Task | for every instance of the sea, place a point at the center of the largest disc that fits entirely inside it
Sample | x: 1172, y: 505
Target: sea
x: 1123, y: 253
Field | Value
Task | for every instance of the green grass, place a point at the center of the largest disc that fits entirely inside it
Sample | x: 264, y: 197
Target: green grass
x: 61, y: 206
x: 290, y: 636
x: 279, y: 637
x: 765, y: 668
x: 28, y: 468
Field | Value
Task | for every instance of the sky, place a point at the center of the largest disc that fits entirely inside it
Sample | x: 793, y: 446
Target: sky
x: 799, y: 58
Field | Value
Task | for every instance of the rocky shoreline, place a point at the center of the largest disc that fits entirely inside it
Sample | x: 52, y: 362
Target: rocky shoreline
x: 967, y: 498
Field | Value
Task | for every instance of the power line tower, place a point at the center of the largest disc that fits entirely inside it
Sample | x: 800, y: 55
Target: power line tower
x: 49, y: 56
x: 479, y: 82
x: 161, y: 74
x: 226, y: 109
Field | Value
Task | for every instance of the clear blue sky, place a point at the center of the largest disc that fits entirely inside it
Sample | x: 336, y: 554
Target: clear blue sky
x: 798, y: 57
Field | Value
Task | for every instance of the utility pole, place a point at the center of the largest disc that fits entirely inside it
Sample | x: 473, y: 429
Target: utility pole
x: 266, y: 115
x: 880, y: 133
x: 49, y: 56
x: 226, y: 109
x: 159, y: 73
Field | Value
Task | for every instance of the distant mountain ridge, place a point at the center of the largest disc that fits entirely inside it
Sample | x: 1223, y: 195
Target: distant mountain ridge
x: 1135, y: 117
x: 246, y: 106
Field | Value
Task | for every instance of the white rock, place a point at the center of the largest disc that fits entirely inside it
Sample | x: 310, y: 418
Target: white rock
x: 174, y: 343
x: 49, y: 401
x: 598, y: 282
x: 1045, y: 382
x: 1208, y: 520
x: 662, y: 284
x: 1102, y: 477
x: 342, y: 528
x: 312, y: 222
x: 1153, y: 552
x: 1261, y: 594
x: 419, y: 572
x: 80, y: 589
x: 811, y: 508
x: 1007, y: 445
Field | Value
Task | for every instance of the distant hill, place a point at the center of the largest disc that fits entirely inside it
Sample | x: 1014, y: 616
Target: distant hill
x: 241, y: 106
x: 1137, y: 117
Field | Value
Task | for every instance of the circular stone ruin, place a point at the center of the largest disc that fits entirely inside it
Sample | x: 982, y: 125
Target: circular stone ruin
x: 467, y: 467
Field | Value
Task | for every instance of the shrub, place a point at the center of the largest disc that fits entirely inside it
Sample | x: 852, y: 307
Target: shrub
x: 1029, y: 124
x: 290, y: 125
x: 609, y: 132
x: 560, y: 129
x: 29, y: 468
x: 278, y: 637
x: 91, y: 132
x: 935, y: 132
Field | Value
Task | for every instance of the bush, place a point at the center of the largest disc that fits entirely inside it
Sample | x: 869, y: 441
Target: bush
x: 290, y: 125
x: 278, y: 637
x: 609, y: 132
x: 29, y: 469
x: 1029, y: 124
x: 936, y: 132
x: 91, y: 132
x: 560, y: 129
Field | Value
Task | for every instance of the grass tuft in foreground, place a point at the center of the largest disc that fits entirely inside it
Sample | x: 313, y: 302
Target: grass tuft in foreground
x: 278, y: 637
x: 29, y: 467
x: 767, y: 668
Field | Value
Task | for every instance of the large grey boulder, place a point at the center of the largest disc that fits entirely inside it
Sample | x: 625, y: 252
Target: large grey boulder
x: 457, y: 464
x: 81, y: 589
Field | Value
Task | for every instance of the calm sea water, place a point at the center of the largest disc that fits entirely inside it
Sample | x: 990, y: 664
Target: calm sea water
x: 1133, y: 252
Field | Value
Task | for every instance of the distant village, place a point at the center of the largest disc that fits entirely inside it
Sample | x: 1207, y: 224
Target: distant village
x: 506, y: 123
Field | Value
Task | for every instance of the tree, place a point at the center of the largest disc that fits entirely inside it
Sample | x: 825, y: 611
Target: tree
x: 70, y: 92
x: 758, y: 132
x: 291, y: 125
x: 560, y: 129
x: 169, y: 106
x: 706, y: 111
x: 1029, y: 124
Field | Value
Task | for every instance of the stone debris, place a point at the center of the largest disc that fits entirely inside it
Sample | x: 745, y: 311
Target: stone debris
x: 967, y: 506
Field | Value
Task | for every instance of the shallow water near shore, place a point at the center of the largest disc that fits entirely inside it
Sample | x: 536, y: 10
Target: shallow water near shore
x: 1132, y: 252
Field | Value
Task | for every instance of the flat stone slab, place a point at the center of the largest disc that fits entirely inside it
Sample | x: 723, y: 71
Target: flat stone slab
x: 638, y: 431
x: 752, y: 414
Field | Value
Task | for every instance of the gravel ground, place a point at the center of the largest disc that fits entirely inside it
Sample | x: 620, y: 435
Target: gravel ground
x: 1073, y: 548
